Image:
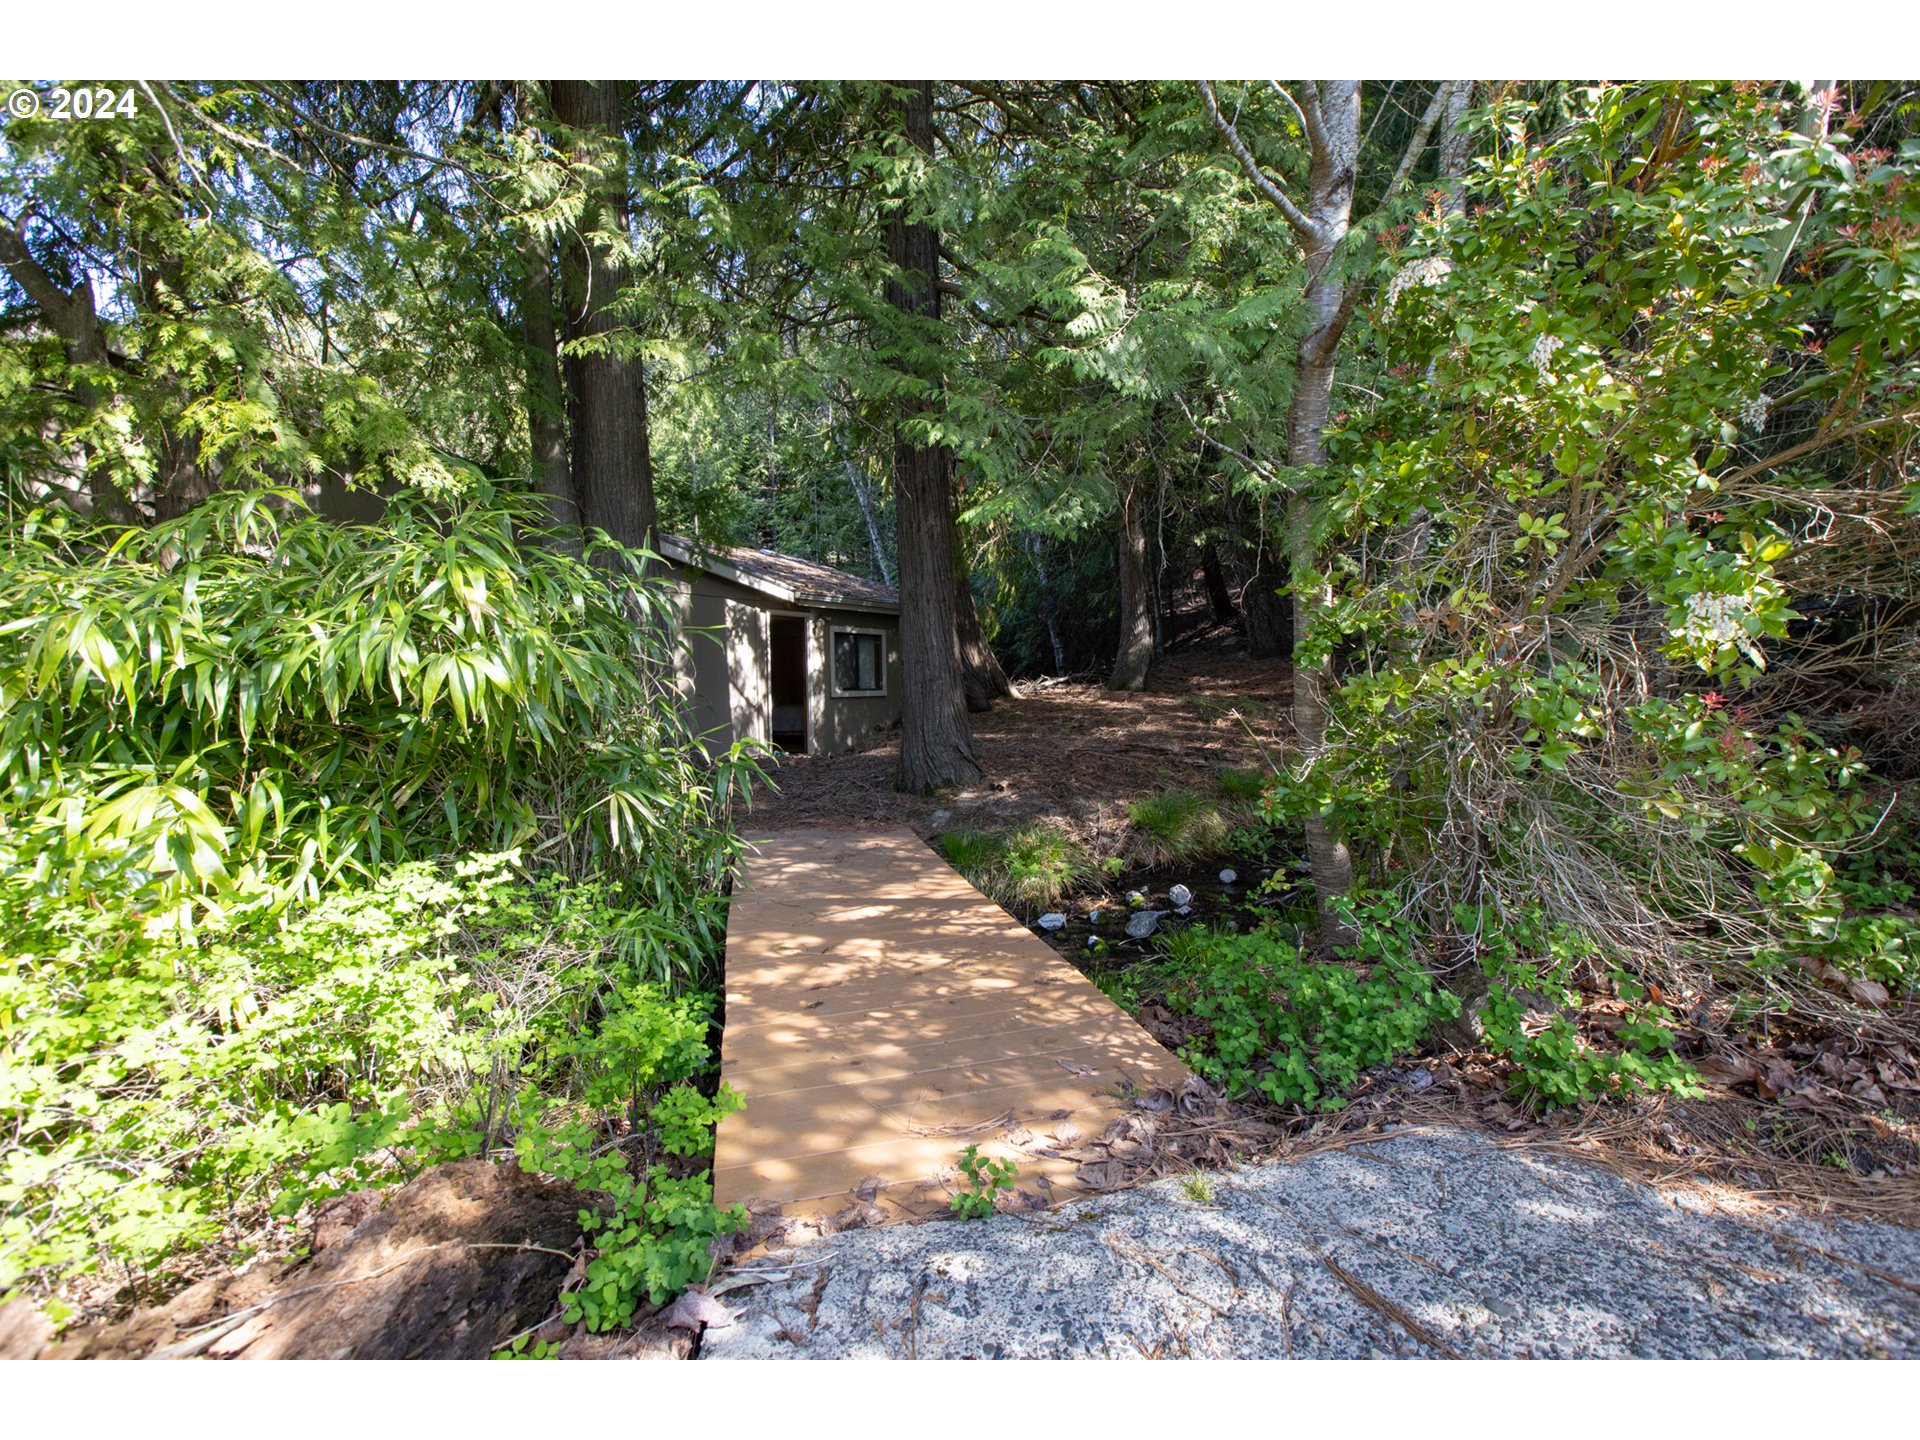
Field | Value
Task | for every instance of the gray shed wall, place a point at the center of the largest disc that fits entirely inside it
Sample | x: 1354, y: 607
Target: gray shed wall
x: 724, y: 666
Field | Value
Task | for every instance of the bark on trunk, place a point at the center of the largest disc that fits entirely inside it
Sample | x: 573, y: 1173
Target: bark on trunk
x: 612, y: 466
x: 1219, y: 598
x: 936, y: 739
x: 1336, y: 152
x: 546, y: 399
x: 72, y: 317
x: 182, y: 481
x: 1258, y: 575
x: 981, y: 676
x: 1134, y: 657
x: 1048, y: 610
x: 1453, y: 145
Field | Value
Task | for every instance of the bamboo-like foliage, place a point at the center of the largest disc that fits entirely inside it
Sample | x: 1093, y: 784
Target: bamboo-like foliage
x: 244, y: 704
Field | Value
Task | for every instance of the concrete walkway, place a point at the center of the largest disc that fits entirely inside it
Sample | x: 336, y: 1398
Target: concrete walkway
x: 882, y: 1014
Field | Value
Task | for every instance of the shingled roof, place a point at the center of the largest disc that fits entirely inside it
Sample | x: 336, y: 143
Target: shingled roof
x: 784, y: 577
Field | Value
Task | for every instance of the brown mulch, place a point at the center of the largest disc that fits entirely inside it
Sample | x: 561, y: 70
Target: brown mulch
x: 1070, y: 750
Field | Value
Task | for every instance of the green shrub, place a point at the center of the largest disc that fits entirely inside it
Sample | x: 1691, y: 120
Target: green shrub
x: 241, y: 706
x: 1553, y: 1063
x: 157, y: 1087
x: 1177, y: 826
x: 1298, y: 1032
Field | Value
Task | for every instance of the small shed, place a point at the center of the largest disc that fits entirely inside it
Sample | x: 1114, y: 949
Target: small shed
x: 800, y: 656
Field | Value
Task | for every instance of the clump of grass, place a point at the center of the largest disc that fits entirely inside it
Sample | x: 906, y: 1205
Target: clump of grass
x: 1177, y: 826
x: 1035, y: 865
x: 974, y: 853
x: 1043, y: 864
x: 1241, y: 785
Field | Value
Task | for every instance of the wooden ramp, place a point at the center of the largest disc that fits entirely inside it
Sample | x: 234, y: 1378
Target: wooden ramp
x: 882, y: 1014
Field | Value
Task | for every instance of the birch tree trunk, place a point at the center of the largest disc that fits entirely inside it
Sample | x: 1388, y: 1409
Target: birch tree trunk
x: 1135, y: 654
x: 1329, y: 112
x: 869, y: 509
x: 1333, y: 118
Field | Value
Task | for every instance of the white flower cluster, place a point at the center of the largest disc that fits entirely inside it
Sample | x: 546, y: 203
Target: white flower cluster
x: 1428, y: 270
x: 1542, y: 355
x: 1715, y: 621
x: 1753, y: 414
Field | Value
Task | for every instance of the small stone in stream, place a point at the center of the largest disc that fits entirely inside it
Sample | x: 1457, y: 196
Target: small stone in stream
x: 1144, y: 924
x: 1093, y: 917
x: 1227, y: 877
x: 1094, y: 942
x: 1052, y: 920
x: 1183, y: 909
x: 1136, y: 897
x: 1180, y: 895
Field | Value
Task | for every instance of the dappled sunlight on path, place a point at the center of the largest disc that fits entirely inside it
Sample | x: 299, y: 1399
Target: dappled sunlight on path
x: 882, y: 1014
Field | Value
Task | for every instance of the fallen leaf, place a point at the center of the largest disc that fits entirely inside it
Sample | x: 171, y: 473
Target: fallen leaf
x: 1154, y: 1102
x: 1868, y: 992
x: 1726, y: 1069
x: 861, y: 1216
x: 694, y: 1311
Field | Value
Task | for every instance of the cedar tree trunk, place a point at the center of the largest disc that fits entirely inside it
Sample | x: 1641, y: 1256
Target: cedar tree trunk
x: 936, y: 740
x: 612, y: 468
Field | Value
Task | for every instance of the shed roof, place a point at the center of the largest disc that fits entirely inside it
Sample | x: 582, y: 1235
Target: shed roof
x: 783, y: 577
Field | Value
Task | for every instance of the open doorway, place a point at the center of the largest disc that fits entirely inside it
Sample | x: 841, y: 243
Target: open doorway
x: 789, y: 689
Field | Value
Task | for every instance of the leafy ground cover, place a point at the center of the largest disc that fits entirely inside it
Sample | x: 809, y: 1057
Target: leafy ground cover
x: 329, y: 854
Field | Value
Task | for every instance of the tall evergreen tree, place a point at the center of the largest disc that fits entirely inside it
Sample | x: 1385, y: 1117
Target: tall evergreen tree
x: 936, y: 738
x: 612, y: 463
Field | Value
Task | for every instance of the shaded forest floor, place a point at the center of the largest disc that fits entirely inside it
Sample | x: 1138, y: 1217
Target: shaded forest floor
x: 1070, y: 751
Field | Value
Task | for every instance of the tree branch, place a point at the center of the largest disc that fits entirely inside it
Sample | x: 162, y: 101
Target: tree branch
x: 41, y: 288
x: 1310, y: 116
x: 1422, y: 133
x: 1302, y: 226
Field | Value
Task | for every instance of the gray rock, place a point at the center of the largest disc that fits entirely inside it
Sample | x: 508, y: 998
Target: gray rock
x: 1052, y: 920
x: 1183, y: 910
x: 1144, y: 924
x: 1439, y: 1222
x: 1180, y: 895
x: 1093, y: 918
x: 1136, y: 897
x: 1228, y: 877
x: 939, y: 818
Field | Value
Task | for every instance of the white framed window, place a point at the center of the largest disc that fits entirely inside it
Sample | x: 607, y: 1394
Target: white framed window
x: 859, y: 661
